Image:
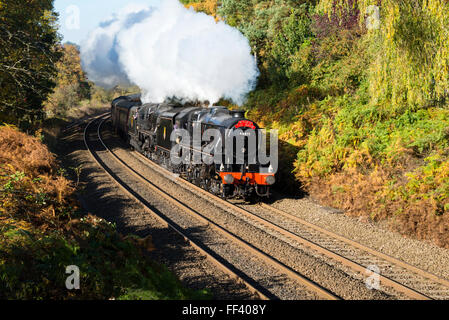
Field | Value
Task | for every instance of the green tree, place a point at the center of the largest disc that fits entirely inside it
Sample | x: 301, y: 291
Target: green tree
x: 411, y: 65
x: 28, y: 55
x: 276, y: 31
x: 293, y: 33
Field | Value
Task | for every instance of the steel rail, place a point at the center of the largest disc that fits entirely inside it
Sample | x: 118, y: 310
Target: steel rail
x: 232, y: 237
x: 409, y: 292
x: 381, y: 255
x: 165, y: 221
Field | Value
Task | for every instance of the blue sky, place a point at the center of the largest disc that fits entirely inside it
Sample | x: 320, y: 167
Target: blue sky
x: 90, y: 13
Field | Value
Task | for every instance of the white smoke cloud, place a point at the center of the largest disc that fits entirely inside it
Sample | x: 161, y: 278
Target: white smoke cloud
x: 171, y: 51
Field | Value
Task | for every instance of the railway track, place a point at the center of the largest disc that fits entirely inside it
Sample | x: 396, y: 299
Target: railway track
x: 397, y: 273
x: 394, y: 275
x: 98, y: 153
x: 285, y: 267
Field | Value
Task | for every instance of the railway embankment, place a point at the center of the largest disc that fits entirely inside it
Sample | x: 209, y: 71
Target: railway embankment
x: 51, y: 248
x: 55, y: 231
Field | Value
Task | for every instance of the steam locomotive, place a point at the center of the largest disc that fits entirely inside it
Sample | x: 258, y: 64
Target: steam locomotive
x: 150, y: 129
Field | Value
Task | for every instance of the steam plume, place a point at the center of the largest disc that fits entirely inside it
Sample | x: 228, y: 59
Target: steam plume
x: 171, y: 51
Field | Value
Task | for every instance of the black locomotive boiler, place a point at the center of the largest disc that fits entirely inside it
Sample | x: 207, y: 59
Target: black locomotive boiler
x: 148, y: 129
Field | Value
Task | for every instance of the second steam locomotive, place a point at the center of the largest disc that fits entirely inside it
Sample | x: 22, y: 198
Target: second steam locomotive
x: 152, y: 130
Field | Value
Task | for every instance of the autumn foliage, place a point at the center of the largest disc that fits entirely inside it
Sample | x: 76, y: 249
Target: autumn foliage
x: 362, y: 112
x: 33, y: 192
x: 207, y: 6
x: 72, y: 85
x: 42, y: 231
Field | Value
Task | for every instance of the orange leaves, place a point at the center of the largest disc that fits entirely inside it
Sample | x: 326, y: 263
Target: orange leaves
x: 31, y: 192
x: 23, y: 152
x: 207, y: 6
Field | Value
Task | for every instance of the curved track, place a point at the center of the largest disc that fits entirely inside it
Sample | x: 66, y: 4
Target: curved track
x: 398, y: 276
x: 231, y: 270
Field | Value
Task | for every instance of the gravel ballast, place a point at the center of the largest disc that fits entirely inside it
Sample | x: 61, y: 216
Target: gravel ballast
x: 104, y: 199
x: 101, y: 197
x: 421, y: 254
x: 300, y: 259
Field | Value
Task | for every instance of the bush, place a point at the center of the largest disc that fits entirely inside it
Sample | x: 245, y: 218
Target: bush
x: 42, y: 231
